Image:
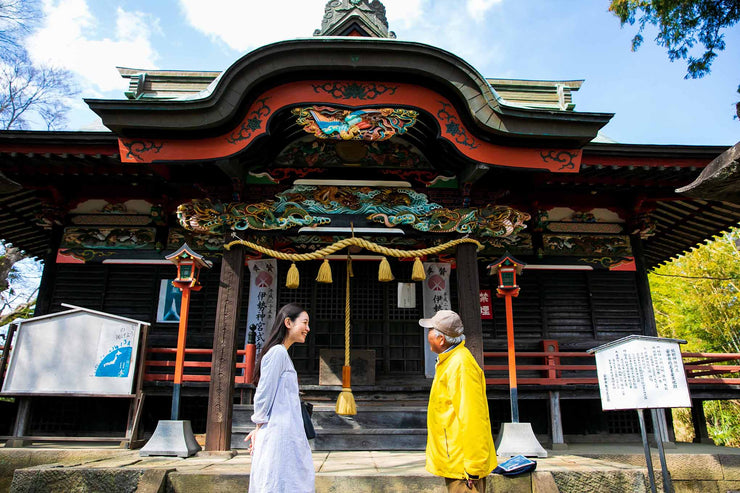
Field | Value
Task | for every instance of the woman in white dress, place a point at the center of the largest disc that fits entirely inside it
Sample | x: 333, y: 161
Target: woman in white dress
x: 281, y: 455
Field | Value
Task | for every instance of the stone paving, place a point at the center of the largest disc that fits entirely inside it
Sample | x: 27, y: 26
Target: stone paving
x: 581, y: 468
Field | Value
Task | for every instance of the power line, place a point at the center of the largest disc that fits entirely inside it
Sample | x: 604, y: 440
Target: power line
x: 698, y: 277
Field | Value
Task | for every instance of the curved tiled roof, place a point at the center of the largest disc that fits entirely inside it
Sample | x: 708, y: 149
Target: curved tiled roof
x: 353, y: 59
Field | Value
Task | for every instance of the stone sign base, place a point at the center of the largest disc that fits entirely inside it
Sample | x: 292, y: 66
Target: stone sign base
x: 518, y: 439
x: 171, y: 438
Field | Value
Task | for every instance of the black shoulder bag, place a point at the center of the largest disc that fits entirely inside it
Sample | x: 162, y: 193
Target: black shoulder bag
x: 306, y: 411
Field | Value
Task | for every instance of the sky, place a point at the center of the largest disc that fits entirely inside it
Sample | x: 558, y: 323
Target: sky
x: 518, y: 39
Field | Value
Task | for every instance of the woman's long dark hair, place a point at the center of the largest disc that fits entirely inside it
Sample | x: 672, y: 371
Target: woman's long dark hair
x: 277, y: 333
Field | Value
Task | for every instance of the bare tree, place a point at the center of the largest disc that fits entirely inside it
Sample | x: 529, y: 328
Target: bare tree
x: 28, y: 92
x: 14, y: 302
x: 16, y: 19
x: 7, y: 261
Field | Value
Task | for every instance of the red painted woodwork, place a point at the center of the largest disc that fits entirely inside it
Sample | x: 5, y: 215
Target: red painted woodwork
x: 255, y: 121
x: 60, y: 149
x: 701, y: 368
x: 651, y: 162
x: 249, y: 358
x: 626, y: 265
x: 551, y: 346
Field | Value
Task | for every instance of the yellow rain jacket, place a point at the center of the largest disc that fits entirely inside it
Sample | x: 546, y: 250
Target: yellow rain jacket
x: 459, y: 441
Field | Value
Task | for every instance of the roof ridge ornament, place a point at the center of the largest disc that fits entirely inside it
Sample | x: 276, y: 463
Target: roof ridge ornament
x: 355, y: 18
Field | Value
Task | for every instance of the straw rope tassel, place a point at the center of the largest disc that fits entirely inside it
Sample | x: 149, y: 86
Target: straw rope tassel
x: 346, y: 402
x: 324, y: 274
x: 417, y: 273
x: 384, y: 271
x: 293, y: 279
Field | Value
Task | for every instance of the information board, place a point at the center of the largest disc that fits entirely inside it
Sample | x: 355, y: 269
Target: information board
x: 640, y: 372
x: 75, y: 352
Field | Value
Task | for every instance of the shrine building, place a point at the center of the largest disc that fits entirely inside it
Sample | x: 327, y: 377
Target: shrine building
x: 353, y: 134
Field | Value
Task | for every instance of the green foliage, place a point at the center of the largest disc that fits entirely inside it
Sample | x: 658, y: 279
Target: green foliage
x: 723, y: 420
x: 697, y: 297
x: 25, y: 310
x: 683, y: 425
x: 682, y: 24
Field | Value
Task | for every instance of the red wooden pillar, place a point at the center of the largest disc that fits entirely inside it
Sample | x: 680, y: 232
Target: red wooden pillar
x: 551, y: 346
x: 249, y: 356
x: 223, y: 365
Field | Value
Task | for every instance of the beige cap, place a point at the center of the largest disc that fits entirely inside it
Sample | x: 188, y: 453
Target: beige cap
x: 445, y: 321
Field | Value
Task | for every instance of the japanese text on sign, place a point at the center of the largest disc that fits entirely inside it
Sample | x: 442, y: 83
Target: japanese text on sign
x: 641, y: 374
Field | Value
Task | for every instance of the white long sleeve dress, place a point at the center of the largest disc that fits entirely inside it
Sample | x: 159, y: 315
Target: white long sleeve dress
x: 281, y: 461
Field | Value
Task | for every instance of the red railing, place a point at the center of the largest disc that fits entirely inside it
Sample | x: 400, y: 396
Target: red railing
x: 700, y: 368
x: 549, y: 372
x: 533, y: 367
x: 159, y: 369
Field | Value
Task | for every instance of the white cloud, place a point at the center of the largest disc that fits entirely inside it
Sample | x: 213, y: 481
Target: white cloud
x: 69, y: 38
x: 243, y: 25
x: 249, y: 25
x: 478, y: 8
x: 437, y: 23
x: 404, y: 14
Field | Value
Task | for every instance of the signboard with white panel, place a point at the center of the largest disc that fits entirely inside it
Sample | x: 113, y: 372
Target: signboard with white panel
x: 641, y: 372
x: 76, y: 352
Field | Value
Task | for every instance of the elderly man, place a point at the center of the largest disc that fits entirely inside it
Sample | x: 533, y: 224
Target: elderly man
x: 459, y: 442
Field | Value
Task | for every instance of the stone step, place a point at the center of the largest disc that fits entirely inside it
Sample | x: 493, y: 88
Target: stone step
x: 376, y: 439
x: 366, y: 417
x: 588, y: 467
x: 374, y: 431
x: 391, y: 390
x: 358, y: 439
x: 374, y: 427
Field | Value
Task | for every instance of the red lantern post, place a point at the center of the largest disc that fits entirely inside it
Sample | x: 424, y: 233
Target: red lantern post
x: 515, y: 438
x: 188, y: 265
x: 507, y: 267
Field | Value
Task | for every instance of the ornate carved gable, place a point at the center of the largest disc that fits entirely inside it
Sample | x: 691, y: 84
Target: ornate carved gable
x: 355, y: 18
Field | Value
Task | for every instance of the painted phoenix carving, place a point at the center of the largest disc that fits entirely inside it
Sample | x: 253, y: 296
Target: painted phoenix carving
x: 372, y: 124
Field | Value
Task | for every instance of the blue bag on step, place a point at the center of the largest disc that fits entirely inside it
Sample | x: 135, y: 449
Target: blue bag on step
x: 515, y: 466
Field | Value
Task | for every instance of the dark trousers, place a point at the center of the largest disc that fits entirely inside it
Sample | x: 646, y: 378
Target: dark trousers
x: 460, y: 486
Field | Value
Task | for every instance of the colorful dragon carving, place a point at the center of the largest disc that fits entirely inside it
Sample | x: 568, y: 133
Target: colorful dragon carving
x: 371, y: 124
x: 309, y: 205
x: 204, y: 216
x: 591, y: 245
x: 497, y: 221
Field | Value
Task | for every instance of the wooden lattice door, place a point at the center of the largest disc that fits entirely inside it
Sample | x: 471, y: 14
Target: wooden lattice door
x: 377, y: 322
